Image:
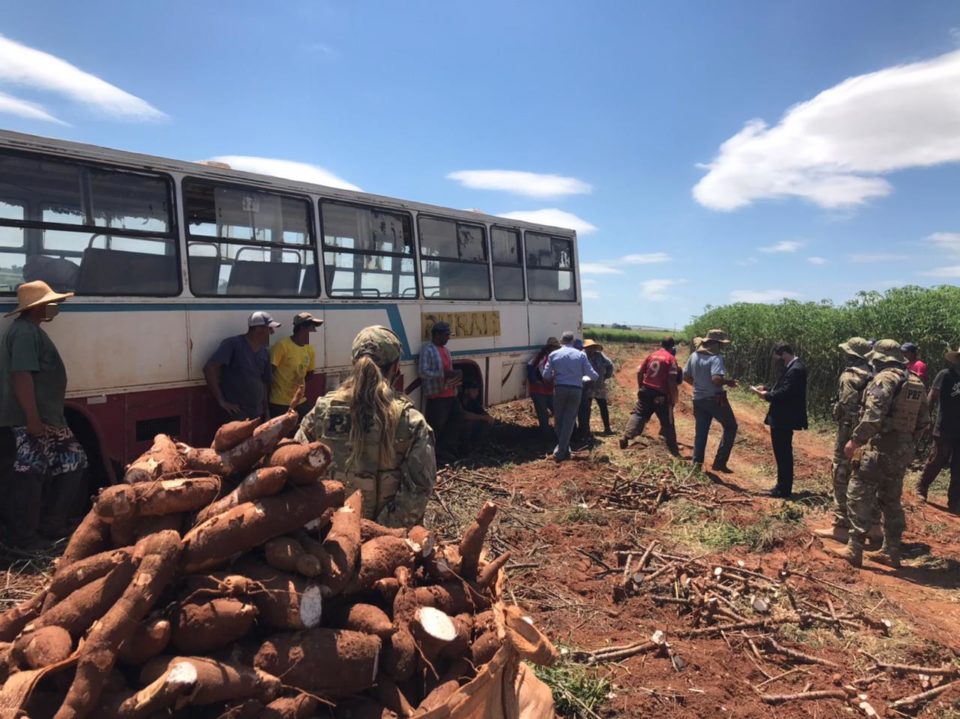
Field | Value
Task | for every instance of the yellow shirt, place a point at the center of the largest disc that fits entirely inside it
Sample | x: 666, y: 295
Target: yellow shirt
x: 291, y: 362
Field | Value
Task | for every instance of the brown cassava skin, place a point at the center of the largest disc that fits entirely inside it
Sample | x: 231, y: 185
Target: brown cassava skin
x: 251, y: 524
x: 484, y: 647
x: 201, y: 628
x: 263, y: 441
x: 279, y: 596
x: 91, y: 537
x: 488, y: 575
x: 438, y: 696
x: 157, y: 555
x: 233, y: 433
x: 283, y: 552
x: 155, y: 699
x: 342, y: 545
x: 145, y: 526
x: 381, y: 557
x: 362, y: 618
x: 218, y: 681
x: 73, y: 576
x: 314, y: 549
x: 362, y: 708
x: 305, y: 463
x: 423, y: 538
x: 471, y: 545
x: 301, y: 706
x: 246, y: 709
x: 40, y: 648
x: 164, y: 457
x: 450, y: 597
x: 264, y: 482
x: 77, y: 612
x: 430, y: 645
x: 393, y: 698
x: 371, y: 530
x: 154, y: 499
x: 148, y: 641
x: 200, y: 587
x: 400, y: 655
x: 461, y: 645
x: 331, y: 662
x: 20, y: 615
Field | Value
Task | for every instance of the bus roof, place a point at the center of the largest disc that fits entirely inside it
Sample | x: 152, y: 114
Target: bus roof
x: 138, y: 161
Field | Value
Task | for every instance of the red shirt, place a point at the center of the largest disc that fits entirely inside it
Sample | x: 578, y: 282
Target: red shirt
x: 919, y: 368
x: 447, y: 363
x: 657, y: 370
x: 542, y: 387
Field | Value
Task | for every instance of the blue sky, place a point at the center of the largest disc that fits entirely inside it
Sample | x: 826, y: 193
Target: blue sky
x: 708, y: 151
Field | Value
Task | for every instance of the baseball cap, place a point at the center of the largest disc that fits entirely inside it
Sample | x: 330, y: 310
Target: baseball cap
x: 378, y: 343
x: 909, y: 347
x: 305, y: 318
x: 440, y: 326
x: 261, y: 319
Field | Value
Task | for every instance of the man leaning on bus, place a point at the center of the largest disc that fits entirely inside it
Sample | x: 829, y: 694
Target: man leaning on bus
x: 294, y: 360
x: 440, y: 383
x: 239, y: 372
x: 42, y: 461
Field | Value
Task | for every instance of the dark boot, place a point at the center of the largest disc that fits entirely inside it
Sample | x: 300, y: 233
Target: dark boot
x: 22, y: 507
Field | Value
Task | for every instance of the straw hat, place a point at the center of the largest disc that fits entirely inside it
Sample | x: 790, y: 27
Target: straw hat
x: 591, y: 343
x: 717, y: 336
x: 952, y: 355
x: 34, y: 294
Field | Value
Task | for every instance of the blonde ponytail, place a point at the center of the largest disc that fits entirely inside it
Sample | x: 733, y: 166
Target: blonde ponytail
x: 370, y: 397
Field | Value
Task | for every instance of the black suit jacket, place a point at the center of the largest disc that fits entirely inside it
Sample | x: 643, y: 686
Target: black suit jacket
x: 788, y: 399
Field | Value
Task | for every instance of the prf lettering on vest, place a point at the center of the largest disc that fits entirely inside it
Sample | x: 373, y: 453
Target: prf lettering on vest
x: 462, y: 324
x: 338, y: 423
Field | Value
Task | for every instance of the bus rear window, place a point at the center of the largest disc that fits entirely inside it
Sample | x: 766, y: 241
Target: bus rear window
x: 243, y: 242
x: 550, y: 268
x: 367, y: 252
x: 86, y: 229
x: 453, y: 260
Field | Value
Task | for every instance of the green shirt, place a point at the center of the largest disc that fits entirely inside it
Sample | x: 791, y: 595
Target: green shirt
x: 27, y: 348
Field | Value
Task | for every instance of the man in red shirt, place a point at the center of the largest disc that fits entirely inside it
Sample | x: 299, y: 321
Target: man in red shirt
x: 914, y: 363
x: 657, y: 384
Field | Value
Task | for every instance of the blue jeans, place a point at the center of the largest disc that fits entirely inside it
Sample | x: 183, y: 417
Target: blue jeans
x: 704, y: 412
x: 566, y: 405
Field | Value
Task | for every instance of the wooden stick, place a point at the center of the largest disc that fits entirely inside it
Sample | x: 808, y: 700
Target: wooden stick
x: 780, y: 676
x: 804, y: 696
x: 773, y: 646
x: 924, y: 696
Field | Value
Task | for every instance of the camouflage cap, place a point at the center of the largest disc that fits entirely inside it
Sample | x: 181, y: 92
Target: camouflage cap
x: 378, y: 343
x: 887, y: 351
x: 856, y: 346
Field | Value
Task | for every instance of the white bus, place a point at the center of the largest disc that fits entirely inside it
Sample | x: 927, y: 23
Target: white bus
x: 167, y: 258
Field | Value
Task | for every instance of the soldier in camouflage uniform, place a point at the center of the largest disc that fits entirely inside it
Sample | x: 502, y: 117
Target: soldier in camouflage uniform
x: 381, y: 444
x: 850, y: 386
x: 894, y: 412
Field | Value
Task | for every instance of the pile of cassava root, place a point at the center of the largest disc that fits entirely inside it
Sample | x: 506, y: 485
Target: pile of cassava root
x: 234, y: 581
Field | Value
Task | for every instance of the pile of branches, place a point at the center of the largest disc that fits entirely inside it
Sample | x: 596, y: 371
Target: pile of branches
x: 646, y: 495
x: 235, y: 581
x: 747, y: 608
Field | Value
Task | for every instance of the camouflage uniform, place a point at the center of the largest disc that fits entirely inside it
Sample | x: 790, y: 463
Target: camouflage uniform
x: 853, y: 381
x: 894, y: 412
x: 395, y: 495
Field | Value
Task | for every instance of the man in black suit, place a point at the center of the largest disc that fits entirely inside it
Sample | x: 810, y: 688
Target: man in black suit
x: 787, y: 413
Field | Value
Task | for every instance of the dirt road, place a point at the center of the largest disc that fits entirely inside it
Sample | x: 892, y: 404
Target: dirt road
x: 565, y: 525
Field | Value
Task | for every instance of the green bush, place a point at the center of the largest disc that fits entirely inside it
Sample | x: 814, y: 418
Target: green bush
x: 926, y: 316
x: 618, y: 334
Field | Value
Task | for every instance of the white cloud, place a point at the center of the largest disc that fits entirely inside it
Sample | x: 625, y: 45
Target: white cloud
x: 300, y: 171
x: 22, y: 65
x: 817, y: 260
x: 656, y: 290
x: 783, y: 246
x: 747, y: 262
x: 529, y: 184
x: 868, y: 257
x: 762, y: 296
x: 591, y: 295
x: 651, y: 258
x: 15, y: 106
x: 554, y: 218
x: 947, y: 241
x: 949, y: 272
x: 833, y: 149
x: 598, y: 268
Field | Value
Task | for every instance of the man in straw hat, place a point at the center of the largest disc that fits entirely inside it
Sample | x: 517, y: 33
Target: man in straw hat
x: 43, y: 484
x: 595, y: 390
x: 894, y: 413
x: 854, y: 378
x: 944, y: 399
x: 706, y: 372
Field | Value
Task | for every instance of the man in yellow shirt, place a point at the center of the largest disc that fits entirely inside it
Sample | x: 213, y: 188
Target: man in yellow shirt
x: 293, y: 360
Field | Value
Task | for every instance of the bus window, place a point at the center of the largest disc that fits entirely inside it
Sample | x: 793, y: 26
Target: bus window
x: 550, y: 268
x: 243, y: 242
x: 86, y: 229
x: 453, y: 260
x: 507, y: 264
x: 368, y: 252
